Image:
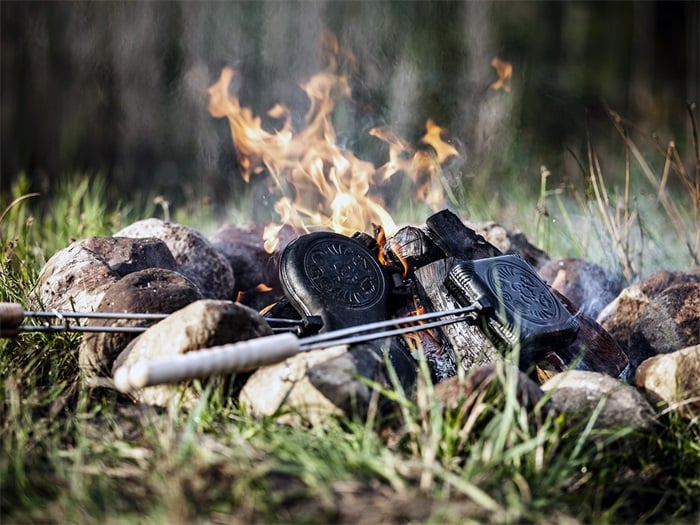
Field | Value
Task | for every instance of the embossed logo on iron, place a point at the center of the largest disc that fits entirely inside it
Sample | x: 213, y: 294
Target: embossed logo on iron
x: 344, y: 272
x: 522, y: 292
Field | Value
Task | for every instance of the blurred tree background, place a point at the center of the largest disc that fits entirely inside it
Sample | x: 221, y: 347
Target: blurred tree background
x: 121, y: 87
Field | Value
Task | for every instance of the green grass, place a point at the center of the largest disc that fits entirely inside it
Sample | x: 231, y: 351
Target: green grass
x: 71, y: 453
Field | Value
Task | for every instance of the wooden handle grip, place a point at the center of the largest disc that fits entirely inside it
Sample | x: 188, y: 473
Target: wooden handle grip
x: 11, y: 315
x: 220, y: 360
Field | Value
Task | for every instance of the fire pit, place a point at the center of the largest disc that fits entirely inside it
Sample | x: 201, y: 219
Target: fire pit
x: 336, y: 285
x: 465, y: 302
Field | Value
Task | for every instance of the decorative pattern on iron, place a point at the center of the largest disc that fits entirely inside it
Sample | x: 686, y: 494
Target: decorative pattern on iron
x: 518, y: 307
x: 522, y: 292
x: 344, y: 272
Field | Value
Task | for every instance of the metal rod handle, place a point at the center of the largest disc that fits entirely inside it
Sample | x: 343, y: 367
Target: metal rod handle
x: 12, y: 314
x: 387, y: 323
x: 308, y: 343
x: 59, y: 314
x: 52, y: 328
x: 248, y: 355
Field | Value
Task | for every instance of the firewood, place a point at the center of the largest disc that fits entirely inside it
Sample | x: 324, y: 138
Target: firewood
x: 457, y: 240
x: 411, y: 247
x: 464, y: 343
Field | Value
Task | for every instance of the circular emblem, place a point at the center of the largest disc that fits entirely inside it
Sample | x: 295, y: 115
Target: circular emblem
x: 344, y: 272
x: 523, y: 292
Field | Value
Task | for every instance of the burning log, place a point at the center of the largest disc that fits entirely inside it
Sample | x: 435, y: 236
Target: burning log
x: 428, y: 255
x: 465, y: 343
x: 410, y: 248
x: 456, y: 240
x: 432, y: 253
x: 524, y: 311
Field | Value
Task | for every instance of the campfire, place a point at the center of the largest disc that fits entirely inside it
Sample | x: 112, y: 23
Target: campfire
x: 335, y: 269
x: 350, y: 278
x: 458, y: 299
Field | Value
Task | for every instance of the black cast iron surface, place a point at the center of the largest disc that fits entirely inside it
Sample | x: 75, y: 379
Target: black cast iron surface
x: 519, y: 309
x: 334, y: 277
x: 340, y: 280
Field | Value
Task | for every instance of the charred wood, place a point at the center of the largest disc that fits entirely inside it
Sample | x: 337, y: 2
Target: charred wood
x: 594, y: 349
x: 457, y: 240
x: 464, y: 344
x: 411, y: 247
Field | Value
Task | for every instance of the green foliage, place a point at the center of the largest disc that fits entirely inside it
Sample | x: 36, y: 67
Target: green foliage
x: 34, y: 226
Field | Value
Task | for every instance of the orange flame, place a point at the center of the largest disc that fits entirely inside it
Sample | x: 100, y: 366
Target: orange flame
x: 260, y: 288
x: 402, y: 260
x: 318, y: 183
x: 380, y: 237
x: 504, y: 70
x: 420, y: 165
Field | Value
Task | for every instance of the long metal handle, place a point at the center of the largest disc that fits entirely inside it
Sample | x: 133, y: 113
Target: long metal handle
x: 12, y: 314
x: 248, y: 355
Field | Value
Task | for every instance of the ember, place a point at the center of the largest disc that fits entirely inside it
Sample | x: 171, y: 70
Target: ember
x: 504, y: 71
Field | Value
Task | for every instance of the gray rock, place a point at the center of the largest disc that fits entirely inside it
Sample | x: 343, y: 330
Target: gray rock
x: 77, y: 277
x: 350, y: 380
x: 202, y: 324
x: 195, y: 256
x: 311, y: 386
x: 153, y: 290
x: 336, y: 378
x: 619, y: 318
x: 669, y: 323
x: 673, y: 380
x: 284, y: 390
x: 581, y: 394
x: 462, y: 393
x: 589, y: 286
